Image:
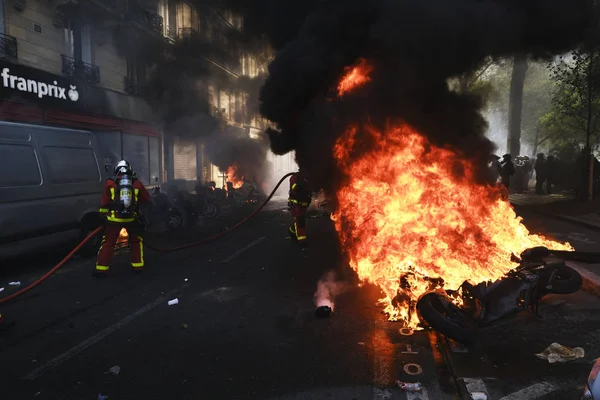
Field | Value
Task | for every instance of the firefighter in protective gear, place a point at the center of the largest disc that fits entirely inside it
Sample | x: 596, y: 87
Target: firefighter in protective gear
x: 123, y: 194
x: 298, y: 201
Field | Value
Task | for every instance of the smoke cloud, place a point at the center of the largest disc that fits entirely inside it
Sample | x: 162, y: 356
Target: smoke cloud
x: 328, y: 288
x: 414, y: 46
x: 233, y: 146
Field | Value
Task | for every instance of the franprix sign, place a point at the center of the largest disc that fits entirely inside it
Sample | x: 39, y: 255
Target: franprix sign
x: 31, y: 85
x: 36, y: 87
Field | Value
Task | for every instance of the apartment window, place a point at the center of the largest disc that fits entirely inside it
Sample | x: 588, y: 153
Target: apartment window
x: 136, y: 75
x: 249, y: 66
x: 224, y: 105
x: 78, y: 41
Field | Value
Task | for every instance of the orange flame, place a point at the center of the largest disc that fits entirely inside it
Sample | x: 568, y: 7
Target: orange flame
x: 355, y: 77
x: 123, y: 235
x: 404, y: 213
x: 232, y: 176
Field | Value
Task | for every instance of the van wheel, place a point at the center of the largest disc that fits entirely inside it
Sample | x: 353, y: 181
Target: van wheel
x: 92, y: 246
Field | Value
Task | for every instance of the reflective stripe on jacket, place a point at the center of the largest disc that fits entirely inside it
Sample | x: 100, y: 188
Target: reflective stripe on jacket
x: 140, y: 195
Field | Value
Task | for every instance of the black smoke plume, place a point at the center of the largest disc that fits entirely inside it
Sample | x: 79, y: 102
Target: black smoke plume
x: 414, y: 46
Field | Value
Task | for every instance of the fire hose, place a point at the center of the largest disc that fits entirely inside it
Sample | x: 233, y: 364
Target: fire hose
x: 167, y: 250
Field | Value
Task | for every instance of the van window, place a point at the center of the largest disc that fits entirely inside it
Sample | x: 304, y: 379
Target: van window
x: 71, y: 165
x: 19, y: 166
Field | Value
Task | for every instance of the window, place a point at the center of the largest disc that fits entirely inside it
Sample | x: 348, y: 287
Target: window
x: 78, y: 41
x: 71, y: 165
x: 136, y: 75
x: 224, y: 106
x: 19, y: 166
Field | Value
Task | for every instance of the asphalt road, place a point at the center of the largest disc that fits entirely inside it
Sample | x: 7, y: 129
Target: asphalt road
x: 245, y: 328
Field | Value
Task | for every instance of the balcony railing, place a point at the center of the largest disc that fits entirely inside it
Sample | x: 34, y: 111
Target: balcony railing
x: 150, y: 21
x: 131, y: 86
x: 8, y: 46
x: 80, y: 70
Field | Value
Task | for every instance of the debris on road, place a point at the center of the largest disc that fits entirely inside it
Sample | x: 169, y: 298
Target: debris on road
x: 17, y: 283
x: 409, y: 387
x: 102, y: 397
x: 184, y: 326
x: 114, y: 370
x: 558, y: 353
x: 478, y: 396
x: 173, y: 302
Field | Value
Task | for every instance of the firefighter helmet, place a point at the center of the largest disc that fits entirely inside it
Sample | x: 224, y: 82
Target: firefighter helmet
x: 123, y: 167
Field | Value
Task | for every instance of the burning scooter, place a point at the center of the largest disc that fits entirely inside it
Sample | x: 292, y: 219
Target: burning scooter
x: 458, y: 314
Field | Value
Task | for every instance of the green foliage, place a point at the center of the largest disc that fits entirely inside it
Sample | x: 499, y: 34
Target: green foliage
x: 575, y: 110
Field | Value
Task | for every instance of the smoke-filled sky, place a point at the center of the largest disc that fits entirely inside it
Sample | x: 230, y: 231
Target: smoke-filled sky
x: 414, y: 45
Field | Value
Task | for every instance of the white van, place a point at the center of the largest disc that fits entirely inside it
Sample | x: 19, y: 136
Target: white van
x: 51, y: 180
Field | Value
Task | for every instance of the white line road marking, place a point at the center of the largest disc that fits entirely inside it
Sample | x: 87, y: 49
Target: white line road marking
x: 418, y: 395
x: 243, y: 249
x: 476, y: 385
x: 532, y: 392
x: 73, y: 351
x: 382, y: 394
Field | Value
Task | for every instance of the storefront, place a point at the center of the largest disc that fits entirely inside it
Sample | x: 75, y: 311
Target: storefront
x: 120, y: 122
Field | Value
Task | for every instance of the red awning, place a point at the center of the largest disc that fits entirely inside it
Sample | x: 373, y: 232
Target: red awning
x: 26, y: 113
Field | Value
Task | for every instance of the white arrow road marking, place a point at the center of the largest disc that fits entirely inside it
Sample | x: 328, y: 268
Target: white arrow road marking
x: 476, y: 385
x: 417, y: 395
x: 243, y: 249
x: 532, y: 392
x: 382, y: 394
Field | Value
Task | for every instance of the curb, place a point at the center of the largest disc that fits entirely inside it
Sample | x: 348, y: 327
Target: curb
x: 591, y: 281
x: 574, y: 221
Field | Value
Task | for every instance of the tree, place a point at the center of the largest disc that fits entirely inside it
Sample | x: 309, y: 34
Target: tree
x: 577, y: 100
x: 515, y: 104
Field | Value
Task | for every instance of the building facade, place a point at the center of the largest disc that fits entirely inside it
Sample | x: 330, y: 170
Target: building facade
x: 60, y: 67
x: 72, y: 57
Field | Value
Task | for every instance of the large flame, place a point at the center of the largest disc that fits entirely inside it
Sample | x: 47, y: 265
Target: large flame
x: 406, y: 215
x: 410, y: 214
x: 232, y: 176
x: 355, y: 77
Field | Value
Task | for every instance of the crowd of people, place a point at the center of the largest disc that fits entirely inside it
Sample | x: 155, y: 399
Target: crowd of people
x: 516, y: 175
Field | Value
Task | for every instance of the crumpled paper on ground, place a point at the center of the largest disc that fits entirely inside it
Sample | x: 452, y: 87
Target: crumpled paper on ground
x: 558, y: 353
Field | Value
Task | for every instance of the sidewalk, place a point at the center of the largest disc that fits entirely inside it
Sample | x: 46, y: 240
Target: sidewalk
x: 560, y: 205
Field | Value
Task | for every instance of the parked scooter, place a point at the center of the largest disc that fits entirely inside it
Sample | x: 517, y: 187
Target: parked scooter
x: 163, y: 208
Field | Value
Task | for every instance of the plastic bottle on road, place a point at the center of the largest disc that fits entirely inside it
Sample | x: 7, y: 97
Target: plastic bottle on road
x: 409, y: 387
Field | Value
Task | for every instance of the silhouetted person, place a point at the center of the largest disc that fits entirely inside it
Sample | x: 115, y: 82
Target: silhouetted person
x: 507, y: 169
x: 495, y: 168
x: 528, y: 168
x: 540, y: 173
x: 520, y: 175
x: 550, y: 173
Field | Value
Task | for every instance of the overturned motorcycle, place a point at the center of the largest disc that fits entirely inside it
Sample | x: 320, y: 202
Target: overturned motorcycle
x: 458, y: 314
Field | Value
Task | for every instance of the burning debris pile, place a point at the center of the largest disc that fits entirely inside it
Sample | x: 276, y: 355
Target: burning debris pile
x: 240, y: 156
x: 423, y: 221
x: 361, y: 96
